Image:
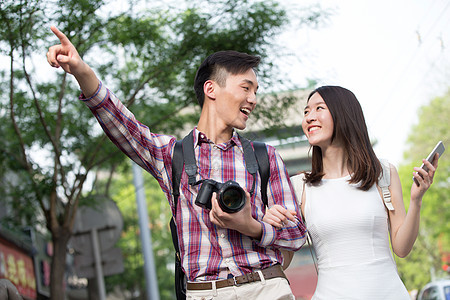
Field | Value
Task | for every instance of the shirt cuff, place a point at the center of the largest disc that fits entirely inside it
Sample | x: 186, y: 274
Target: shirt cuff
x: 268, y: 235
x: 96, y: 101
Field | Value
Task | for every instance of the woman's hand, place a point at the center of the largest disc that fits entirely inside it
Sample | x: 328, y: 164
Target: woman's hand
x: 278, y: 216
x: 424, y: 179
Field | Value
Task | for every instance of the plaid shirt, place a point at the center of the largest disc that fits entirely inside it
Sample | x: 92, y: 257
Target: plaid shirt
x: 208, y: 252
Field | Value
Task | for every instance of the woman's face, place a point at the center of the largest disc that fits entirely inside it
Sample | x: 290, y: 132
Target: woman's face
x: 318, y: 123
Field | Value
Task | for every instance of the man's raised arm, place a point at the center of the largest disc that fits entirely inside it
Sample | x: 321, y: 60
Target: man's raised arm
x: 66, y: 56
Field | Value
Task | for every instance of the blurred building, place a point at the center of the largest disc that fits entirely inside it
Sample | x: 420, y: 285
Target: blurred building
x: 16, y: 262
x: 25, y: 258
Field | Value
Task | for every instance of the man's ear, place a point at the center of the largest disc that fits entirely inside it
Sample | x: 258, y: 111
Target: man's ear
x: 209, y: 89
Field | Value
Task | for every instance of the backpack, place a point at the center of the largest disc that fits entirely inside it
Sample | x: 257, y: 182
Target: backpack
x: 183, y: 154
x: 384, y: 181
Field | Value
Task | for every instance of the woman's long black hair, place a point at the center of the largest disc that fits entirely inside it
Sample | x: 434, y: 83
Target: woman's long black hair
x: 349, y: 129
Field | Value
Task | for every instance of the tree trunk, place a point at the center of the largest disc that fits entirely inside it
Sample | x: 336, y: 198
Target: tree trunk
x: 58, y: 267
x: 93, y: 289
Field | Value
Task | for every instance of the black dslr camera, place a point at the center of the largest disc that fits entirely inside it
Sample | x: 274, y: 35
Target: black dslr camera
x: 230, y: 195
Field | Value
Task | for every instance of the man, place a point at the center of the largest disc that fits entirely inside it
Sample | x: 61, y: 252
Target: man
x: 219, y: 250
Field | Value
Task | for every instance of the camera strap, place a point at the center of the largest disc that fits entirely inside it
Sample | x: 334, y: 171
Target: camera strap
x: 190, y: 164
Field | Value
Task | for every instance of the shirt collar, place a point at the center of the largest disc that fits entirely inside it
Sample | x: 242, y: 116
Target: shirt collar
x: 200, y: 137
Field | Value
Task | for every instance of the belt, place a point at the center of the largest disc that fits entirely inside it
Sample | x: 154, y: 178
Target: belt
x: 268, y: 273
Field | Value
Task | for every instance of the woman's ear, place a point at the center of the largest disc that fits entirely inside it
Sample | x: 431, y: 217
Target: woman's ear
x: 209, y: 89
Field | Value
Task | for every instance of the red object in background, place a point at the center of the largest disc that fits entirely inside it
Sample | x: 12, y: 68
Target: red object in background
x: 302, y: 274
x: 303, y: 281
x: 17, y: 266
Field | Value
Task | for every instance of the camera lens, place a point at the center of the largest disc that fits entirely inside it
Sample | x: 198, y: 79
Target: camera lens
x: 231, y: 197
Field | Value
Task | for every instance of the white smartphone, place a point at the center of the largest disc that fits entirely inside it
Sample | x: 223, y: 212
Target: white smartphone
x: 439, y: 148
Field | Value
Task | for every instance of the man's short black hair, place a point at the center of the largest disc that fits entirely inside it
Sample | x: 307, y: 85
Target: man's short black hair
x: 213, y: 67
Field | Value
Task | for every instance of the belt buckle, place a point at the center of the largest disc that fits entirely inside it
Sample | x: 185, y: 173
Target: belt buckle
x: 235, y: 282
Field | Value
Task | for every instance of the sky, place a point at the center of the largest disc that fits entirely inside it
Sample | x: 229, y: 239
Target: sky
x: 394, y: 55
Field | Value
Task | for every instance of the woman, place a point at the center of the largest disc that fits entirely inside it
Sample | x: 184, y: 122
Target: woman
x: 343, y: 207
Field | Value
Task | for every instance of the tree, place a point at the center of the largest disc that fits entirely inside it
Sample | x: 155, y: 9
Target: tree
x: 123, y: 192
x: 425, y: 261
x: 39, y: 114
x: 147, y: 56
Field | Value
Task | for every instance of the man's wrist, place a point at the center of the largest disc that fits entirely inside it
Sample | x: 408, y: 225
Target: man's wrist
x: 87, y: 80
x: 255, y: 229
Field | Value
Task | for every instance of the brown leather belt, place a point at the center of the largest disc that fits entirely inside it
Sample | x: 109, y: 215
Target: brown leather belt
x: 268, y: 273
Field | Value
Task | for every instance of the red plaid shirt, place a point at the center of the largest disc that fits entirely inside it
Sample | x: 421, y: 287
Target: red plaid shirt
x: 208, y: 252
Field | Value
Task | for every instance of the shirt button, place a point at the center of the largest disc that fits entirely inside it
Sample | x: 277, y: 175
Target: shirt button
x: 222, y: 235
x: 227, y: 260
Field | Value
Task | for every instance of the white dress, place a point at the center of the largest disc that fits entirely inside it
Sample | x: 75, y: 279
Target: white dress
x: 349, y: 229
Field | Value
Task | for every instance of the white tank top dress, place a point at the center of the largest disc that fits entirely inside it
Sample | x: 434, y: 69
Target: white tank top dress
x: 349, y: 230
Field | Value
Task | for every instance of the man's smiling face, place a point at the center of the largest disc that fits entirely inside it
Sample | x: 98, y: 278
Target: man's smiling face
x: 236, y: 99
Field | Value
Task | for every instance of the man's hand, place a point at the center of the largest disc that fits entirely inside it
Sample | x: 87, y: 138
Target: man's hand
x: 241, y: 221
x: 66, y: 56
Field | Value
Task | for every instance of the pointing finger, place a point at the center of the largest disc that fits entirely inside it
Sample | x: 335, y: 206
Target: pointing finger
x: 61, y: 36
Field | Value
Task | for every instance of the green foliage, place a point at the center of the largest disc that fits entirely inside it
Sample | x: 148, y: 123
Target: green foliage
x: 433, y: 241
x: 123, y: 192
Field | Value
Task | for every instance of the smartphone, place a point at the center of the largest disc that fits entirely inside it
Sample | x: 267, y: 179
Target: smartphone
x: 439, y: 148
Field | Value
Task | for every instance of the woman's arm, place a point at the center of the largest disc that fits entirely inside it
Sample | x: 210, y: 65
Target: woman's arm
x: 404, y: 227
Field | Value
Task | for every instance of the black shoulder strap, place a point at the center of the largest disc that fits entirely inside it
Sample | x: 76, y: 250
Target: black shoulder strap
x: 184, y: 154
x: 257, y: 157
x: 264, y: 167
x: 250, y: 160
x: 189, y: 157
x: 177, y: 169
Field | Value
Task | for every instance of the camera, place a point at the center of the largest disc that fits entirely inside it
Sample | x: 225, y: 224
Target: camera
x: 230, y: 195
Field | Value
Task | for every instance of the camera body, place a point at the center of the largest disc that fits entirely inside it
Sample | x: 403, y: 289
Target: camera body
x: 230, y: 195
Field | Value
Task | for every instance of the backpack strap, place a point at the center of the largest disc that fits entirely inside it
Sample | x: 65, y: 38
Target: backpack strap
x: 262, y: 158
x: 189, y: 157
x: 384, y: 181
x: 250, y: 160
x: 257, y: 158
x: 177, y: 169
